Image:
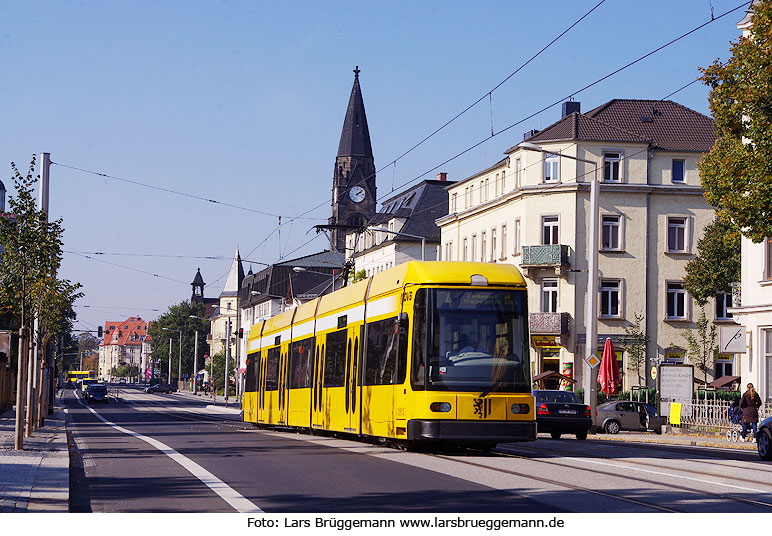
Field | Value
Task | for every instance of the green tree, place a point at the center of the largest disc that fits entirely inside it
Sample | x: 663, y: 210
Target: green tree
x: 702, y: 347
x: 717, y: 263
x: 737, y: 173
x: 178, y: 320
x: 219, y: 371
x: 358, y: 276
x: 637, y: 341
x: 125, y: 371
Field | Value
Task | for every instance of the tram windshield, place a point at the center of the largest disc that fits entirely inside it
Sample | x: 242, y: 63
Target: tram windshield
x: 471, y: 340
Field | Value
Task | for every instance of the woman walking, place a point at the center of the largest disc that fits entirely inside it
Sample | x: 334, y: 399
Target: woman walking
x: 750, y: 404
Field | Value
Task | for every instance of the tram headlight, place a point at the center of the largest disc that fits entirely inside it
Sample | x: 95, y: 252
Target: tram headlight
x: 440, y: 407
x: 520, y: 409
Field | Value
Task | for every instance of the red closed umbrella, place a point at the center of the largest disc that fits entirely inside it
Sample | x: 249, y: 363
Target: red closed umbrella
x: 608, y: 375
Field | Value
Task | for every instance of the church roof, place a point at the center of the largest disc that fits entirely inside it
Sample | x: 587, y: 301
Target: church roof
x: 235, y: 277
x: 355, y: 136
x: 198, y: 280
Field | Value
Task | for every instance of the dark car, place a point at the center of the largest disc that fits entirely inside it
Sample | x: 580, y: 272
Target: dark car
x: 561, y: 412
x: 160, y: 388
x: 96, y: 392
x: 764, y: 439
x: 619, y: 415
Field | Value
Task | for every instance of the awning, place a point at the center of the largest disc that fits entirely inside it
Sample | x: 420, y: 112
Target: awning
x: 724, y: 381
x: 551, y: 375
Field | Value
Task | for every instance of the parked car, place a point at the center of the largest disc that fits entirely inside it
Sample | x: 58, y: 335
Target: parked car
x: 122, y: 381
x: 160, y: 388
x: 764, y: 439
x: 561, y: 412
x: 96, y: 392
x: 617, y: 415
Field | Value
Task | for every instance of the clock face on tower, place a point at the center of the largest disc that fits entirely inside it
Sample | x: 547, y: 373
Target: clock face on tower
x: 357, y: 194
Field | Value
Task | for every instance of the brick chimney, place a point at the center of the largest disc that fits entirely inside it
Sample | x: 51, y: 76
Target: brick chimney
x: 442, y: 176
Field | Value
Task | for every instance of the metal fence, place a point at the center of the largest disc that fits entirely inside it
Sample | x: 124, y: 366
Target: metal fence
x: 712, y: 415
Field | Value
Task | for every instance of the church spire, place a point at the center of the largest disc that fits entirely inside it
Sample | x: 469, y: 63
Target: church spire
x: 355, y: 136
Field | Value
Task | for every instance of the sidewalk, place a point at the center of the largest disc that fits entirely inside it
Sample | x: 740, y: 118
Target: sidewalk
x: 676, y: 439
x: 36, y: 479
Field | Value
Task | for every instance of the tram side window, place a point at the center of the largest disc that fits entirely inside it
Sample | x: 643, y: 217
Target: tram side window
x: 335, y: 359
x: 418, y: 370
x: 386, y: 359
x: 272, y: 369
x: 301, y: 364
x: 253, y: 369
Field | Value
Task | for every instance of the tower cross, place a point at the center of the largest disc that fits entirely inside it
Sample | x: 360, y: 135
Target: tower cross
x: 357, y: 71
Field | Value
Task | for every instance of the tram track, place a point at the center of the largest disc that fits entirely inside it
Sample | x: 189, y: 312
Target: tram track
x: 723, y: 496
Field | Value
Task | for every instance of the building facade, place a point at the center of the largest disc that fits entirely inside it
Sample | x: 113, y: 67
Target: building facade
x: 123, y: 345
x: 226, y: 312
x: 532, y: 209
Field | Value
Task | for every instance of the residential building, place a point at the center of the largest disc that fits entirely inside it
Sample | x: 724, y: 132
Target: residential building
x: 227, y: 310
x: 123, y: 345
x: 532, y: 209
x: 403, y: 230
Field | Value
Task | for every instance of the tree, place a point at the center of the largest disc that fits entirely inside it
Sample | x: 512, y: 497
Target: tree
x: 702, y: 347
x: 219, y: 371
x: 737, y: 173
x: 637, y: 341
x: 125, y: 371
x: 717, y: 263
x: 358, y: 276
x: 178, y: 320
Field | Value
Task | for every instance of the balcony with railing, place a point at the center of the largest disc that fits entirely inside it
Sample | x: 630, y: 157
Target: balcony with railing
x: 551, y: 256
x: 549, y: 323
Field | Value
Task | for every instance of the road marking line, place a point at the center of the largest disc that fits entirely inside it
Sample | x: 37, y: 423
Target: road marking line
x: 240, y: 503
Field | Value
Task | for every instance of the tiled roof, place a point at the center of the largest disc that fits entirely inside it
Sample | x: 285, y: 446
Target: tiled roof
x: 667, y: 125
x: 355, y: 136
x: 132, y: 326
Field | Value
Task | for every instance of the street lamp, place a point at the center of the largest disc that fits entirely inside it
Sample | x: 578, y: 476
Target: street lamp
x: 399, y: 233
x: 195, y: 360
x: 591, y: 316
x: 170, y: 355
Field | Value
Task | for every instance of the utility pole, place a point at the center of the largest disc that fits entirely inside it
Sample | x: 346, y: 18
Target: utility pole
x: 227, y: 355
x: 195, y: 365
x: 179, y: 365
x: 169, y: 379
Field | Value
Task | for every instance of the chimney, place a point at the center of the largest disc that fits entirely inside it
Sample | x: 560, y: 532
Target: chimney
x: 442, y: 176
x: 531, y: 133
x: 570, y: 107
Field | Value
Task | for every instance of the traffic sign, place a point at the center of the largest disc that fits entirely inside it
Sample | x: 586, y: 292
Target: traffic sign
x: 592, y: 361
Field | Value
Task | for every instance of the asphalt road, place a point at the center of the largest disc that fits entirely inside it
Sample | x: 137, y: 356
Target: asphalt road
x: 167, y: 453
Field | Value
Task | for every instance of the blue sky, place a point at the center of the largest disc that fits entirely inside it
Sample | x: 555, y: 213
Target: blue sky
x: 243, y: 102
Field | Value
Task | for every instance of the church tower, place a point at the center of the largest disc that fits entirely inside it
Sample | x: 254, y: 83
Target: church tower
x: 198, y: 288
x: 353, y: 183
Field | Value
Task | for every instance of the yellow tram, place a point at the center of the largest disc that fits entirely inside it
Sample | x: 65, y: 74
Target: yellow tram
x: 424, y: 351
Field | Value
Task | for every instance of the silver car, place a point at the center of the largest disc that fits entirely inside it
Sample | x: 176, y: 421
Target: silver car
x: 617, y: 415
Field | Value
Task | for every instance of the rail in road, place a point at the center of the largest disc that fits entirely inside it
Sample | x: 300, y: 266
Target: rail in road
x: 277, y: 471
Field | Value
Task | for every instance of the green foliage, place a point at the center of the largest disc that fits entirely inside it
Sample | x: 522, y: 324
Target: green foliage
x: 702, y: 347
x: 717, y: 263
x: 178, y: 320
x: 125, y: 371
x: 219, y: 371
x: 737, y: 173
x: 359, y: 276
x: 31, y: 260
x: 637, y: 342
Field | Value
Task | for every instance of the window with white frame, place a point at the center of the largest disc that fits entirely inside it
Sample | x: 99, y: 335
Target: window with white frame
x: 550, y: 228
x: 467, y: 198
x: 449, y: 251
x: 465, y: 250
x: 453, y: 204
x: 482, y: 190
x: 676, y: 234
x: 487, y: 190
x: 518, y: 172
x: 722, y: 365
x: 516, y: 232
x: 483, y: 248
x: 496, y: 186
x: 612, y: 166
x: 549, y: 296
x: 503, y: 181
x: 723, y: 301
x: 677, y: 170
x: 503, y: 241
x: 766, y: 338
x: 493, y: 245
x: 551, y: 165
x: 768, y: 259
x: 473, y: 250
x: 611, y: 232
x: 676, y: 301
x: 610, y: 298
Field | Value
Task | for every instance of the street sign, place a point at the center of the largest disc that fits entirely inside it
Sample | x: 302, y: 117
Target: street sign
x: 654, y: 373
x: 731, y: 339
x: 148, y: 373
x: 592, y: 361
